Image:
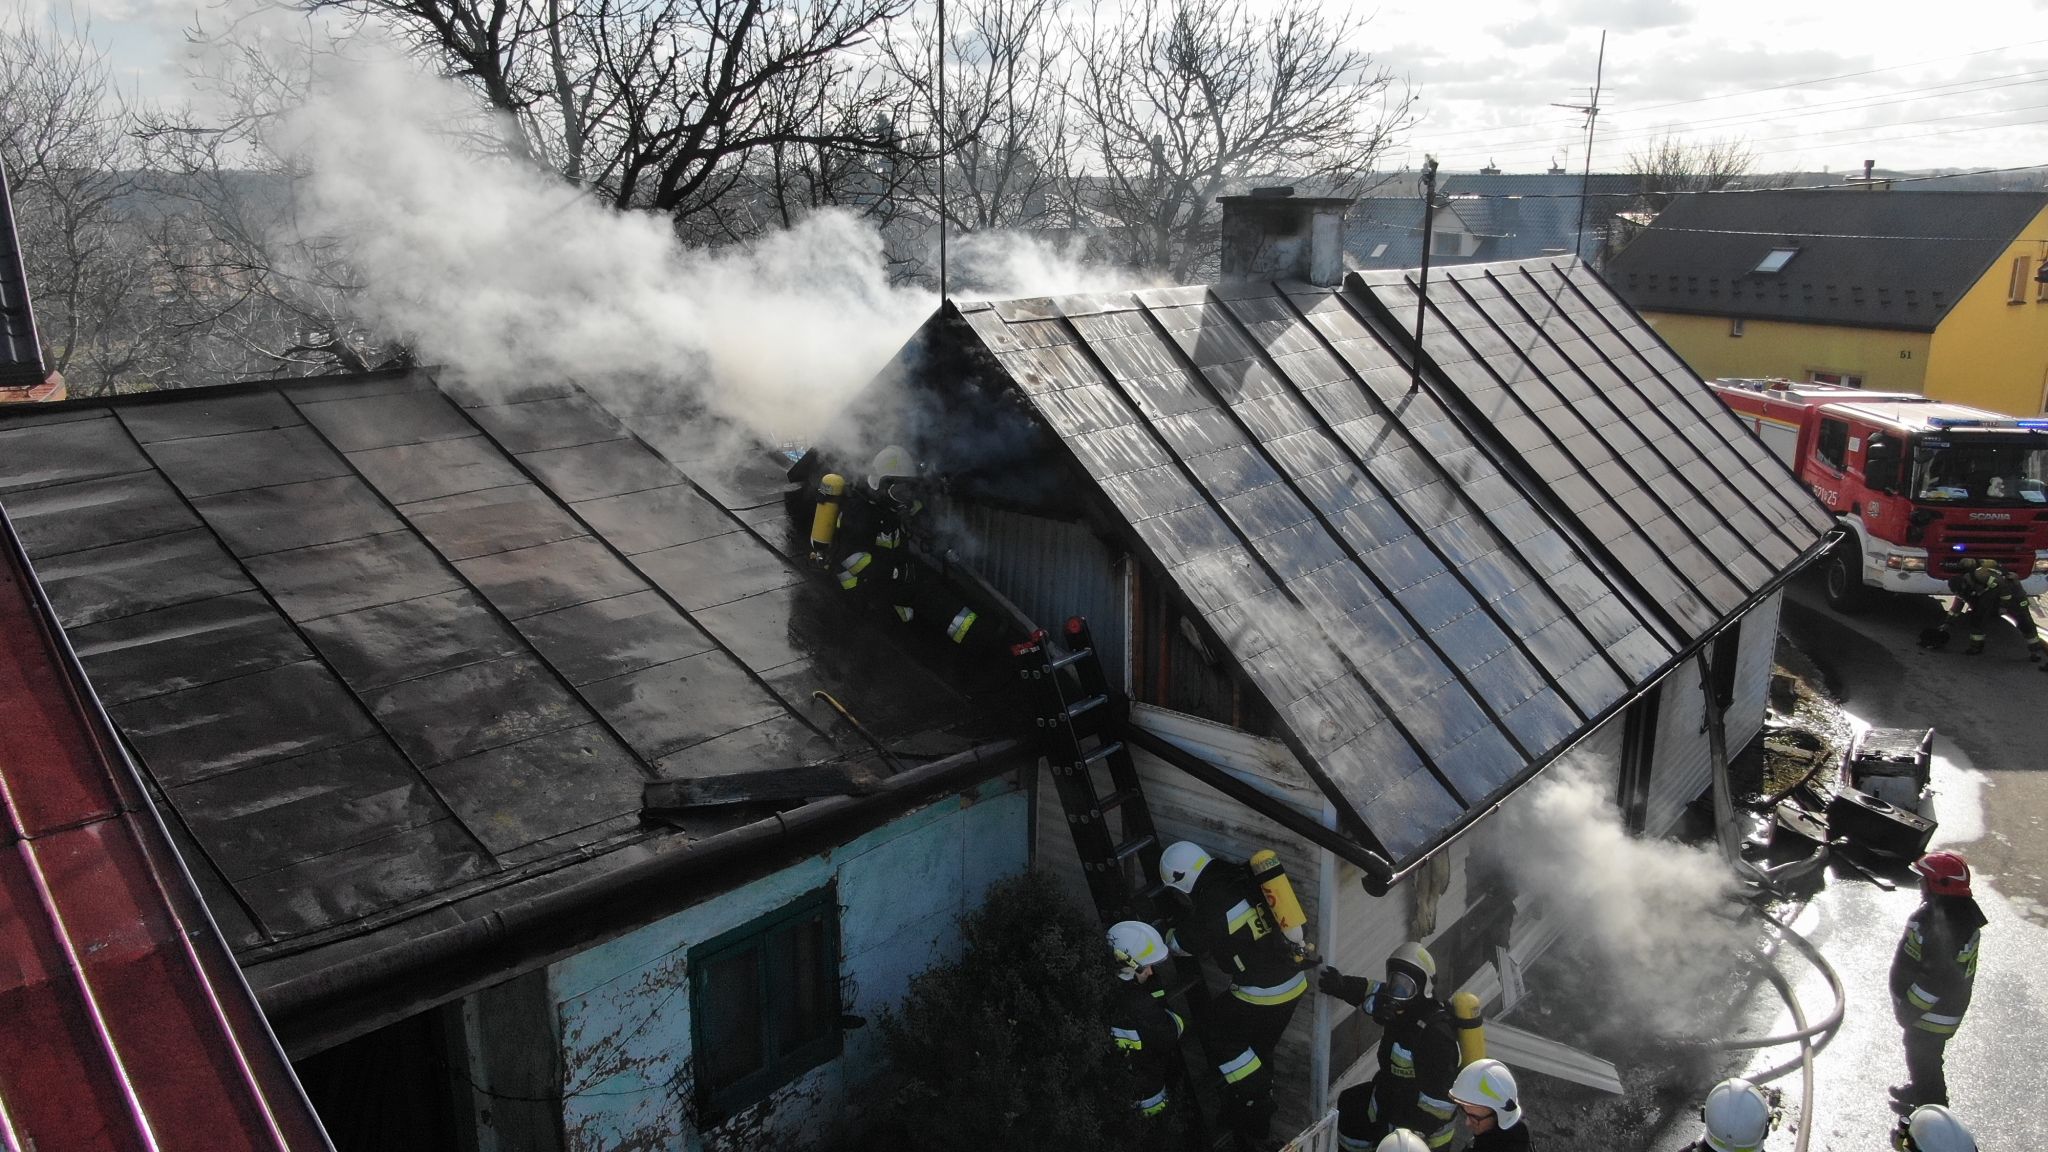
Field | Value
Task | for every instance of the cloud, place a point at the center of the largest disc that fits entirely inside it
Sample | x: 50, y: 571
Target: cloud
x: 1631, y: 15
x: 1529, y: 33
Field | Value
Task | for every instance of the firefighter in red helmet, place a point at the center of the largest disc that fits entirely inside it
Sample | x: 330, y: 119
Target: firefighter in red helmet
x: 1932, y: 973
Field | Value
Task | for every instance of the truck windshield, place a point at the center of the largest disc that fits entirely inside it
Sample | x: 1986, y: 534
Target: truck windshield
x: 1980, y: 472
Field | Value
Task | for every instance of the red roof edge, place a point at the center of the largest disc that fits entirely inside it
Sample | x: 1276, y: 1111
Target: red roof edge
x: 124, y: 1019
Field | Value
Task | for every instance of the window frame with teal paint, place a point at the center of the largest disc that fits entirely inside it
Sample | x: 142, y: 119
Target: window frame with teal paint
x: 778, y: 972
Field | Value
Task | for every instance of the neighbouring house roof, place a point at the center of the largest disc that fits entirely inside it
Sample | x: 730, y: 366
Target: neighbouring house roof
x: 1517, y: 217
x: 1898, y: 260
x: 123, y: 1020
x: 21, y: 354
x: 1437, y: 587
x: 395, y: 657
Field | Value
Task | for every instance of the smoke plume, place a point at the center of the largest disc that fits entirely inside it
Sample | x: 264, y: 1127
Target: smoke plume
x: 505, y: 275
x: 1651, y: 915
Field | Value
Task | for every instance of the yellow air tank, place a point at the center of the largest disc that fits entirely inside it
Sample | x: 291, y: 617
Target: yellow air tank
x: 1279, y: 892
x: 825, y: 521
x: 1471, y: 1028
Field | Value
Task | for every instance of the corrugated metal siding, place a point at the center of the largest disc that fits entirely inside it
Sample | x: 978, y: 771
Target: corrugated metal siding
x: 1052, y: 569
x: 1680, y: 768
x: 1759, y: 647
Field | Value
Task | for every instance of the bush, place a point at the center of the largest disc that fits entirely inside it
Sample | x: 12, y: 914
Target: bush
x: 1009, y: 1047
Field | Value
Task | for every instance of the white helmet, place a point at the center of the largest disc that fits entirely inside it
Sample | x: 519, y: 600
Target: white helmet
x: 889, y: 463
x: 1181, y: 863
x: 1489, y: 1084
x: 1737, y: 1115
x: 1135, y: 944
x: 1409, y: 971
x: 1402, y: 1140
x: 1933, y: 1128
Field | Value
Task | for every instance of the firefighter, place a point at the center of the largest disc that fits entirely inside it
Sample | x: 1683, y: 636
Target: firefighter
x: 1492, y: 1107
x: 1983, y: 592
x: 1228, y: 922
x: 872, y: 537
x: 1418, y: 1054
x: 1932, y: 974
x: 1933, y: 1128
x: 1401, y: 1140
x: 1737, y: 1117
x: 1144, y: 1028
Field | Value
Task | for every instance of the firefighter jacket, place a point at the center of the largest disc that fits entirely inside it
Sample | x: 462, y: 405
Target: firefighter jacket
x: 1148, y: 1033
x: 1418, y: 1060
x: 1232, y: 926
x: 1989, y: 590
x: 1499, y: 1139
x: 1936, y: 964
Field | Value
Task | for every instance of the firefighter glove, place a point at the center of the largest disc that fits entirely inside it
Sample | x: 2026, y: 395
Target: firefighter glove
x: 1331, y: 982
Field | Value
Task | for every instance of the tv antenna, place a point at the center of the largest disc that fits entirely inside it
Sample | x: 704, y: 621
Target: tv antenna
x: 1591, y: 111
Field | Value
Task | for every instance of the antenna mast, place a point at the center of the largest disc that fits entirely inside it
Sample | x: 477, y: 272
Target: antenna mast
x: 1591, y: 110
x: 942, y: 149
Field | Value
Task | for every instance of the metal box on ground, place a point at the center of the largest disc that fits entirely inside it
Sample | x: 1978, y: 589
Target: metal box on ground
x: 1876, y: 826
x: 1894, y: 763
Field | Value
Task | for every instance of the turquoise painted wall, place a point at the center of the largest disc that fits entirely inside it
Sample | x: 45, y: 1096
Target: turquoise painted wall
x: 623, y: 1008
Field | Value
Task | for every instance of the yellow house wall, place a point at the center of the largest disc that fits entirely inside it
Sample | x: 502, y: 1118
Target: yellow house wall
x: 1887, y: 361
x: 1992, y: 353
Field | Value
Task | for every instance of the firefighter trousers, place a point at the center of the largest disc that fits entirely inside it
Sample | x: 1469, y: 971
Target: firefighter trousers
x: 1240, y: 1038
x: 1925, y: 1074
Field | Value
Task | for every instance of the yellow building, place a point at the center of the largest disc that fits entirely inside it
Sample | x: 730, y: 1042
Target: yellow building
x: 1897, y: 291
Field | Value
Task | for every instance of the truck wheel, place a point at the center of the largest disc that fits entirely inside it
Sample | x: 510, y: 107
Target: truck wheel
x: 1846, y: 591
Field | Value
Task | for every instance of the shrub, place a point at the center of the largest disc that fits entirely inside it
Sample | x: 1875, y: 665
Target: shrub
x: 1009, y: 1048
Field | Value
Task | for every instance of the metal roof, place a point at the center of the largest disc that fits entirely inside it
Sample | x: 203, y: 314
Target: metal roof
x: 1437, y: 588
x: 124, y: 1022
x: 382, y: 650
x: 1863, y: 258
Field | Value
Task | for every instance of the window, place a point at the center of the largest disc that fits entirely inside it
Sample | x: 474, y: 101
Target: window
x: 1776, y: 261
x: 1832, y: 444
x: 2022, y: 274
x: 764, y: 1003
x: 1841, y: 378
x: 2041, y: 287
x: 1735, y: 326
x: 1378, y: 250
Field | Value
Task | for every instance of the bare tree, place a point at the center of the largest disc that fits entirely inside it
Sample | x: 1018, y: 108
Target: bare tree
x: 1175, y: 100
x: 660, y: 104
x: 63, y: 138
x: 1669, y: 166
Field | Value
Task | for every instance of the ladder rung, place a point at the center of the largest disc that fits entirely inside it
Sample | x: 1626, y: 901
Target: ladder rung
x: 1084, y: 707
x: 1071, y: 658
x: 1152, y: 892
x: 1100, y: 753
x: 1130, y: 848
x: 1117, y: 798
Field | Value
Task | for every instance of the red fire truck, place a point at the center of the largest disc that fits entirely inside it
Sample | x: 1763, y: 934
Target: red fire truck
x: 1915, y: 483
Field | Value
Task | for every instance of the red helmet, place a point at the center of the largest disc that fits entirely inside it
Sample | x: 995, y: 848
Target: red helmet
x: 1946, y: 873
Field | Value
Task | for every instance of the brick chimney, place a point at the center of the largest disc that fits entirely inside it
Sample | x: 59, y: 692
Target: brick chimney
x: 1273, y: 234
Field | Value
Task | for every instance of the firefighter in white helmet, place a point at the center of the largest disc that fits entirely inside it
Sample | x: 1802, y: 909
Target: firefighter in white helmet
x: 1229, y: 922
x: 1737, y: 1117
x: 1418, y: 1054
x: 1485, y: 1093
x: 1933, y: 1128
x: 1401, y: 1140
x: 1145, y: 1030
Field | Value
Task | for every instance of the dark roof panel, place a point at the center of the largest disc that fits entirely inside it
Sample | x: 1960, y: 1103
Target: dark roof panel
x: 1860, y: 258
x: 1396, y: 570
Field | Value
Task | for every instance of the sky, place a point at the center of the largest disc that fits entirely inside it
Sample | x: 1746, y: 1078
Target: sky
x: 1808, y: 85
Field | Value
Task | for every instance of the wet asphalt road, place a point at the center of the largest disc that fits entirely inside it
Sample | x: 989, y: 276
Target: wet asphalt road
x: 1991, y: 795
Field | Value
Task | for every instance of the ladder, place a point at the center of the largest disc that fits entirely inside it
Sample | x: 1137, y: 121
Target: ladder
x: 1079, y: 719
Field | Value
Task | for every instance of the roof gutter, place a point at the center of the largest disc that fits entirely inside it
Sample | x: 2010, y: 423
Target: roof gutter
x: 319, y: 1009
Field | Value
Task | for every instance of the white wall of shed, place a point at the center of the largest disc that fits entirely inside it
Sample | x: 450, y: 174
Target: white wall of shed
x: 1682, y: 766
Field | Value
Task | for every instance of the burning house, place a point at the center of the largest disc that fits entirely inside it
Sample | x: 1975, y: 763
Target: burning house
x: 548, y: 797
x: 1357, y: 602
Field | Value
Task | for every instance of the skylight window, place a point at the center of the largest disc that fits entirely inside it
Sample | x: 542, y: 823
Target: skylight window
x: 1777, y: 260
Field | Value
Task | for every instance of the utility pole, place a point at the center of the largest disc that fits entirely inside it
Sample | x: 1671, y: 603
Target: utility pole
x: 1591, y: 110
x: 942, y: 148
x: 1422, y: 289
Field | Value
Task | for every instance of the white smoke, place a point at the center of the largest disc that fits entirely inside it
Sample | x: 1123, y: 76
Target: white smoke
x: 505, y: 275
x: 1653, y: 915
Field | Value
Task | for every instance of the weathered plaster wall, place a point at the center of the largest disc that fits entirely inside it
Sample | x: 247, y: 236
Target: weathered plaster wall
x: 623, y: 1009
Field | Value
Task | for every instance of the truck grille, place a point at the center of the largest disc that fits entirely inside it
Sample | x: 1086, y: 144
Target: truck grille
x: 2004, y: 542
